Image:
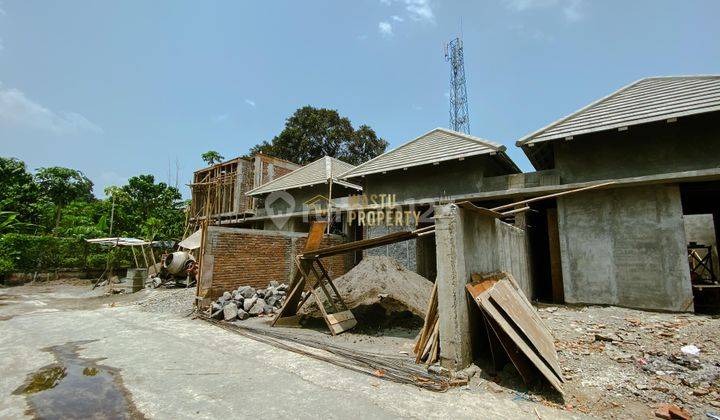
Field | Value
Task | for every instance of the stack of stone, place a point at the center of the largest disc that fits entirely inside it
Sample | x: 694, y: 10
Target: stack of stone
x: 246, y: 302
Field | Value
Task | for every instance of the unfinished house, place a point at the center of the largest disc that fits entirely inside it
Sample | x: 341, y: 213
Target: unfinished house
x: 218, y: 191
x: 658, y: 140
x: 292, y: 201
x: 440, y: 165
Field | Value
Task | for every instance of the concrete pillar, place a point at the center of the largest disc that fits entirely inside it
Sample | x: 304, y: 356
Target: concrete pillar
x: 455, y: 345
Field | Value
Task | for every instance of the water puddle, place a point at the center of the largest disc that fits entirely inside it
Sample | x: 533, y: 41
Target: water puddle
x: 77, y: 388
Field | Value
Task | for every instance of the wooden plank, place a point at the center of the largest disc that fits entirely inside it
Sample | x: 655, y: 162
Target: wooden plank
x: 315, y: 236
x: 332, y: 285
x: 516, y: 357
x: 343, y: 326
x: 340, y: 317
x: 545, y: 197
x: 479, y: 210
x: 527, y: 321
x: 530, y: 353
x: 429, y: 317
x: 361, y: 244
x: 558, y: 294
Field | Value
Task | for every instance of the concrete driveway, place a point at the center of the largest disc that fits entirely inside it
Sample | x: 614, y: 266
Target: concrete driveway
x: 170, y: 366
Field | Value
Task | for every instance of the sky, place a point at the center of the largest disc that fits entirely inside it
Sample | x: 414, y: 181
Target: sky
x: 116, y: 89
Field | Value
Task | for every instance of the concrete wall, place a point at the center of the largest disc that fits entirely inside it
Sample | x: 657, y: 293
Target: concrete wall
x: 404, y: 252
x: 428, y: 181
x: 690, y: 143
x: 700, y: 228
x: 467, y: 243
x: 625, y: 247
x: 255, y: 257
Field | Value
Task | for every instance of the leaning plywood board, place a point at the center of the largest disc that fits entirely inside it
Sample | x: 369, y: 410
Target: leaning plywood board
x: 528, y: 321
x: 511, y: 332
x: 516, y: 325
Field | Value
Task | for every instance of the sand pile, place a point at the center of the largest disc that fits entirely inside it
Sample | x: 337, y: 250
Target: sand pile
x: 382, y: 281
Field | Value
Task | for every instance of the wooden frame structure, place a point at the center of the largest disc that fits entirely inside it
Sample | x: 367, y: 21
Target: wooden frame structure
x: 338, y: 321
x: 130, y: 242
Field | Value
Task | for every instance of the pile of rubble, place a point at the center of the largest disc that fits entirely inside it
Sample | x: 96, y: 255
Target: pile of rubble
x: 246, y: 301
x: 614, y: 358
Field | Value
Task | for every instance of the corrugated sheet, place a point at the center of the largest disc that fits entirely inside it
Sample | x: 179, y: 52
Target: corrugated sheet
x: 647, y: 100
x: 318, y: 172
x: 437, y: 145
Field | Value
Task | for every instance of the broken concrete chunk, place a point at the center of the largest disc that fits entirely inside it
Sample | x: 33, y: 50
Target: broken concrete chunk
x: 248, y: 303
x: 248, y: 292
x: 225, y: 297
x: 230, y: 311
x: 267, y: 309
x: 283, y: 287
x: 242, y: 315
x: 258, y: 307
x: 274, y: 283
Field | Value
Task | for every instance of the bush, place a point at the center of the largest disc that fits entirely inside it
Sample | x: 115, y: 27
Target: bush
x: 6, y: 266
x: 38, y: 253
x: 97, y: 260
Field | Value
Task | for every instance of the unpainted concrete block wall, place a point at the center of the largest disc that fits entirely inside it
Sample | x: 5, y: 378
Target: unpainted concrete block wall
x: 467, y: 243
x: 255, y: 257
x: 625, y: 247
x: 404, y: 252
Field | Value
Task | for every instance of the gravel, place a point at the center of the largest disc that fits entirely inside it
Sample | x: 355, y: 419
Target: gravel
x: 172, y: 301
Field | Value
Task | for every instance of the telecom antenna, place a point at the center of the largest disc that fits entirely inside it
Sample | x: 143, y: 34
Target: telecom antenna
x: 459, y: 116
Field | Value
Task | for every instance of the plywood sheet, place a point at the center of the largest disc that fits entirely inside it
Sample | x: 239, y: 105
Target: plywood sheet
x: 528, y: 321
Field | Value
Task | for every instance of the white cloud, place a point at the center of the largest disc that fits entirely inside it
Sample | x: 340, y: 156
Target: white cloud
x: 18, y: 109
x: 417, y: 10
x: 385, y: 29
x: 250, y: 102
x: 571, y: 9
x: 420, y: 10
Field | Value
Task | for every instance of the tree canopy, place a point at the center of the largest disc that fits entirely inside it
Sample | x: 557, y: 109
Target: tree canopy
x: 212, y: 157
x: 19, y: 193
x: 311, y: 133
x: 63, y: 186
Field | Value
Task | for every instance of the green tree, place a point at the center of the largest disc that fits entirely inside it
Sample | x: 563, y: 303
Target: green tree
x: 147, y: 209
x: 19, y: 194
x: 311, y: 133
x: 63, y: 186
x: 212, y: 157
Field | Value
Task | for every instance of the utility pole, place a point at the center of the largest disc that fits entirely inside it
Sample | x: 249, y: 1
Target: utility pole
x: 459, y: 116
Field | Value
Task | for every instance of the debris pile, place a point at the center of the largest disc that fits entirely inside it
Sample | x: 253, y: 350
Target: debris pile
x: 382, y: 281
x: 246, y: 301
x: 614, y: 358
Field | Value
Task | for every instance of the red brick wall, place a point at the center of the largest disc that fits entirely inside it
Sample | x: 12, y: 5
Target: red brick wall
x: 254, y: 258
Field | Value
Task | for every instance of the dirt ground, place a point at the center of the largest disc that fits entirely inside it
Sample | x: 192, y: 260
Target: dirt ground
x: 621, y: 362
x: 618, y: 363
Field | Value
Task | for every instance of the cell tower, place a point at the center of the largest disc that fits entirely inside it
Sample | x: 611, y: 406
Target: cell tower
x: 459, y: 117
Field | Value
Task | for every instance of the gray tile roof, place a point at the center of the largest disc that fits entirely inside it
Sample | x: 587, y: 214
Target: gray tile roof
x: 437, y: 145
x: 647, y: 100
x: 318, y: 172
